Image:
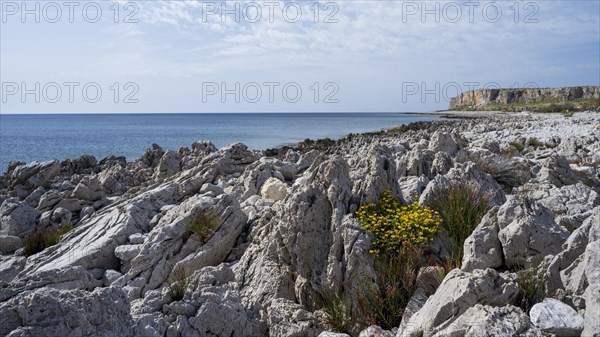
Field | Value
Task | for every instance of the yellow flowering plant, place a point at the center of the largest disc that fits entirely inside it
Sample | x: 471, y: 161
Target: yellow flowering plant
x: 397, y: 227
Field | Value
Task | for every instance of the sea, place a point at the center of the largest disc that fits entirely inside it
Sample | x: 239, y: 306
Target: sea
x: 43, y: 137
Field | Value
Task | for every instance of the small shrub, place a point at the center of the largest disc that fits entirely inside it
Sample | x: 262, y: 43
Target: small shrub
x: 44, y: 238
x: 568, y: 113
x: 337, y: 309
x: 383, y: 302
x: 517, y: 145
x: 177, y: 282
x: 502, y: 170
x: 396, y: 226
x: 401, y: 233
x: 461, y: 205
x: 203, y: 225
x: 534, y: 142
x: 532, y: 285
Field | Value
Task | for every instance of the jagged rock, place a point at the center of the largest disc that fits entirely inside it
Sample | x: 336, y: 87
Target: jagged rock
x: 10, y: 267
x: 45, y: 219
x: 442, y: 163
x: 126, y: 253
x: 89, y: 188
x: 458, y: 292
x: 92, y: 243
x: 412, y: 187
x: 17, y: 218
x: 33, y: 199
x: 115, y: 180
x: 483, y: 249
x: 557, y: 171
x: 35, y: 174
x: 376, y: 331
x: 72, y: 205
x: 51, y: 312
x: 68, y: 278
x: 86, y: 164
x: 110, y: 276
x: 443, y: 142
x: 286, y: 318
x: 86, y: 211
x: 374, y: 173
x: 463, y: 173
x: 568, y: 269
x: 305, y: 241
x: 136, y: 239
x: 9, y: 244
x: 522, y: 228
x: 273, y: 189
x: 169, y: 164
x: 333, y: 334
x: 491, y: 321
x: 557, y: 318
x: 416, y: 162
x: 48, y: 200
x: 591, y: 263
x: 169, y: 245
x: 202, y: 148
x: 61, y: 216
x: 571, y: 204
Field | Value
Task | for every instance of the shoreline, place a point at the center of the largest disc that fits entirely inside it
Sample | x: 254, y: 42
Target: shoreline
x: 286, y: 230
x: 101, y: 143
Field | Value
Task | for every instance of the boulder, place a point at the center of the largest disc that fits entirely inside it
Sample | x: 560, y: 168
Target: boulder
x: 555, y: 317
x: 333, y: 334
x: 169, y: 164
x: 35, y: 174
x: 273, y: 189
x: 568, y: 269
x: 557, y: 171
x: 56, y: 313
x: 61, y: 216
x: 458, y: 292
x: 9, y: 244
x: 443, y: 142
x: 17, y: 218
x: 491, y: 321
x: 48, y: 200
x: 89, y: 189
x: 376, y: 331
x: 523, y: 229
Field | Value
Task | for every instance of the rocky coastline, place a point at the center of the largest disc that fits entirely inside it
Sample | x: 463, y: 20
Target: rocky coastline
x: 286, y: 233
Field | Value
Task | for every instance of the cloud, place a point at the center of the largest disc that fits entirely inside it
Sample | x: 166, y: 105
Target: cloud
x: 370, y: 49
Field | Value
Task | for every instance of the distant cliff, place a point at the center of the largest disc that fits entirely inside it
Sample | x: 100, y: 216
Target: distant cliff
x: 547, y: 99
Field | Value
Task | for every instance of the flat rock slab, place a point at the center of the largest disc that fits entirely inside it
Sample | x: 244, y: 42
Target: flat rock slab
x: 555, y: 317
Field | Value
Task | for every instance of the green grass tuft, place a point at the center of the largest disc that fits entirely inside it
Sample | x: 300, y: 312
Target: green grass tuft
x: 44, y: 238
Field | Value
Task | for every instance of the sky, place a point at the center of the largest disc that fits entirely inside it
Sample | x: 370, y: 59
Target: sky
x: 283, y: 56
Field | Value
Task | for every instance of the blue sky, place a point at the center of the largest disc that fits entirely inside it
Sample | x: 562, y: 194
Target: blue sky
x: 384, y: 56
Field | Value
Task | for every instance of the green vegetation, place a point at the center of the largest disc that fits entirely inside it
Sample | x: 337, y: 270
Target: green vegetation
x: 462, y: 205
x: 338, y: 310
x: 531, y: 281
x: 177, y: 282
x: 203, y: 225
x: 534, y: 142
x: 502, y: 170
x: 517, y: 145
x: 401, y: 233
x: 383, y: 302
x: 44, y: 238
x: 395, y: 226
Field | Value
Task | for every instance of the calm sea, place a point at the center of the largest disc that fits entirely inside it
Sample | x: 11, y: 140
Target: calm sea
x: 30, y: 138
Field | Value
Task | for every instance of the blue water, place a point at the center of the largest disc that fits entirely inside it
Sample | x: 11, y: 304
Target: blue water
x: 30, y: 138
